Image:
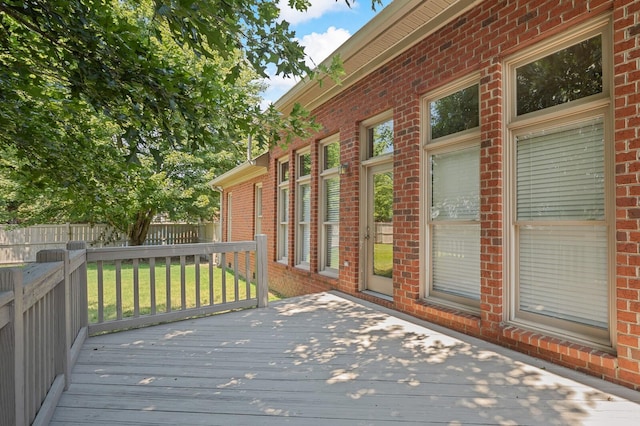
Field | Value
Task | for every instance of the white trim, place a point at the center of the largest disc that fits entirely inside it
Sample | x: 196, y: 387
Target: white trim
x: 242, y: 173
x: 446, y: 144
x: 367, y: 164
x: 282, y: 249
x: 324, y: 175
x: 577, y: 34
x: 393, y: 31
x: 302, y: 180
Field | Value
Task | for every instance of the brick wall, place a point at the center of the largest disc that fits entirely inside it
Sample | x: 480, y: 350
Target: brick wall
x: 477, y: 42
x: 627, y: 142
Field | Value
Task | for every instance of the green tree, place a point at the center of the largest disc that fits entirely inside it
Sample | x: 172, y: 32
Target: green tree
x: 112, y: 110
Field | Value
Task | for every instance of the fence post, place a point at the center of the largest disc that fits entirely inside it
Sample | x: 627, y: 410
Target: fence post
x: 63, y: 338
x: 262, y: 285
x: 11, y: 280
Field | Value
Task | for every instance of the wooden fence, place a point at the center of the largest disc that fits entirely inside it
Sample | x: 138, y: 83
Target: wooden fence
x: 44, y: 310
x: 19, y: 245
x: 383, y: 233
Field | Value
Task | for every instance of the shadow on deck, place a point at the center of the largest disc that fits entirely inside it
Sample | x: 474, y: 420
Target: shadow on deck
x: 325, y: 359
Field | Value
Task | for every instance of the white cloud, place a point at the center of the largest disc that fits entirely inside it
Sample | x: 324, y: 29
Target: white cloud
x: 318, y: 47
x: 317, y: 9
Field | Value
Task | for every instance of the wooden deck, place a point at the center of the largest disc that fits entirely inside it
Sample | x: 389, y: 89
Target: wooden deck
x: 325, y: 359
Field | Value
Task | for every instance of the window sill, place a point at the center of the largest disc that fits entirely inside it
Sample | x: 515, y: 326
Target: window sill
x: 328, y: 274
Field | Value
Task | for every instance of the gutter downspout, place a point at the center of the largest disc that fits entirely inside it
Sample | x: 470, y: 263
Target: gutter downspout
x: 249, y: 146
x: 220, y: 190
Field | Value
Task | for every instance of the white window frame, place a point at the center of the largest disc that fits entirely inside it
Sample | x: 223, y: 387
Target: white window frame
x: 283, y: 221
x: 367, y: 157
x: 581, y: 110
x: 369, y: 161
x: 325, y: 175
x: 462, y: 140
x: 302, y: 258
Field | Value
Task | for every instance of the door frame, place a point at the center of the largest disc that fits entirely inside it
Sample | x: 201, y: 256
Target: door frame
x: 367, y: 278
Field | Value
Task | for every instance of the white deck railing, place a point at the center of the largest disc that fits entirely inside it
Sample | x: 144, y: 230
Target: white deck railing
x: 45, y: 315
x: 165, y: 269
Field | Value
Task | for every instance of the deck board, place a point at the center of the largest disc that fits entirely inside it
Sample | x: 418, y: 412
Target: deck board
x: 325, y: 359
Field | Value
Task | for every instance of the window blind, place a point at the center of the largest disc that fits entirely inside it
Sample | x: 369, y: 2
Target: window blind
x: 563, y: 268
x: 456, y: 259
x: 563, y: 273
x: 332, y: 199
x: 332, y: 233
x: 456, y: 185
x: 560, y: 173
x: 304, y: 222
x: 284, y: 205
x: 331, y: 221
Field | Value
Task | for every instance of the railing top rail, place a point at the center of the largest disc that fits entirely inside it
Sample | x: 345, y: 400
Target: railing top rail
x: 6, y: 297
x: 142, y: 252
x: 37, y: 273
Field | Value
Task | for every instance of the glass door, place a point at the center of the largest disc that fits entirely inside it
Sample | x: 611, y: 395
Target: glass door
x: 379, y: 229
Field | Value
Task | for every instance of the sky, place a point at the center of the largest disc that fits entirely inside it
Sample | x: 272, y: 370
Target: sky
x: 321, y: 29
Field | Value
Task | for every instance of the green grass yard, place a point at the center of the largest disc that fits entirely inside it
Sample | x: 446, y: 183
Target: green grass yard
x: 383, y: 260
x: 144, y: 288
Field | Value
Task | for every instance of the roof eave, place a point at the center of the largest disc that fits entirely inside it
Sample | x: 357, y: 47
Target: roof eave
x: 242, y: 173
x: 311, y: 94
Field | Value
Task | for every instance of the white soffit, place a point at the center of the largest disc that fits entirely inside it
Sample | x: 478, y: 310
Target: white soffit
x: 394, y: 30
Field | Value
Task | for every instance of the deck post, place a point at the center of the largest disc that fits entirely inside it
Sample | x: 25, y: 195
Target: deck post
x: 81, y: 300
x: 262, y: 285
x: 14, y: 412
x: 63, y: 337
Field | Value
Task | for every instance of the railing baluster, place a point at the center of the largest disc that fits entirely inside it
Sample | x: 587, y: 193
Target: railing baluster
x: 247, y: 274
x: 37, y: 350
x: 211, y: 295
x: 223, y: 268
x: 136, y: 288
x: 167, y: 266
x: 183, y: 283
x: 196, y: 261
x: 30, y: 349
x: 236, y: 278
x: 48, y: 337
x: 119, y: 289
x: 152, y: 284
x: 100, y: 272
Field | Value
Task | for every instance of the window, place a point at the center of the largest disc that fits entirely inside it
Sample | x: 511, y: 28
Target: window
x: 560, y: 164
x: 380, y: 139
x: 453, y: 153
x: 283, y: 210
x: 303, y: 214
x: 258, y: 199
x: 229, y: 215
x: 566, y: 75
x: 330, y: 205
x: 455, y: 113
